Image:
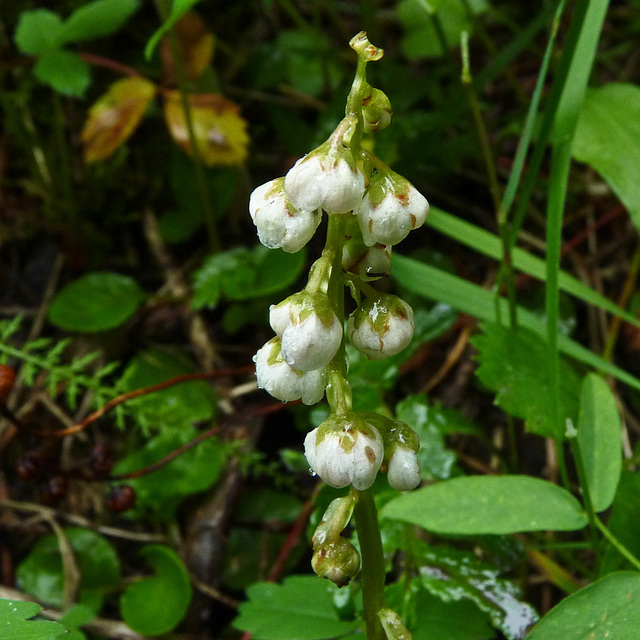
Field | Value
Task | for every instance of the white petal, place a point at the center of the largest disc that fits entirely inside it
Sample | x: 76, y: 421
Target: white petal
x: 404, y: 471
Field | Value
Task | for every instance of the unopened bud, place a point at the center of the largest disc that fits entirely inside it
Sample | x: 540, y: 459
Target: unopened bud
x: 376, y: 110
x: 401, y: 445
x: 338, y: 561
x: 310, y: 330
x: 392, y: 624
x: 381, y: 326
x: 391, y: 207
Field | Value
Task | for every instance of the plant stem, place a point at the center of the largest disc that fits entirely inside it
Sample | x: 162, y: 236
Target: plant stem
x: 373, y: 574
x: 616, y: 544
x: 198, y: 164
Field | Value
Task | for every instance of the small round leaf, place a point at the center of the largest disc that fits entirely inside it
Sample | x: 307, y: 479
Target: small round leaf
x: 96, y: 302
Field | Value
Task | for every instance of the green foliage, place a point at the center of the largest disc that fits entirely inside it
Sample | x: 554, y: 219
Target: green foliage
x: 490, y: 504
x: 175, y: 407
x: 513, y: 365
x: 452, y: 575
x: 608, y: 139
x: 15, y: 623
x: 242, y: 274
x: 96, y: 302
x: 161, y: 492
x: 430, y: 26
x: 43, y: 33
x: 604, y: 609
x: 178, y: 9
x: 599, y: 439
x: 154, y: 606
x: 41, y: 573
x: 301, y: 608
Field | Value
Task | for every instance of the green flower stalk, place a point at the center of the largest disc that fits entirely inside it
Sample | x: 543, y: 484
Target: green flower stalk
x: 369, y: 209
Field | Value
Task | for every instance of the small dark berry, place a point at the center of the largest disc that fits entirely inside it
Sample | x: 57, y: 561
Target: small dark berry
x: 7, y: 378
x: 29, y: 467
x: 121, y: 498
x: 101, y: 461
x: 54, y: 490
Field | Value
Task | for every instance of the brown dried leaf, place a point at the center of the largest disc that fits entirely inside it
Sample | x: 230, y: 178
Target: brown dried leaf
x: 196, y: 44
x: 114, y: 117
x: 220, y: 131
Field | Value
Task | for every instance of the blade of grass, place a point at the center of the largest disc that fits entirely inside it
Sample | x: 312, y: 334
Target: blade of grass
x: 467, y: 297
x: 489, y: 244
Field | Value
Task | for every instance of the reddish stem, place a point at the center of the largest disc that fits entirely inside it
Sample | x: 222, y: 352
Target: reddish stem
x: 107, y: 63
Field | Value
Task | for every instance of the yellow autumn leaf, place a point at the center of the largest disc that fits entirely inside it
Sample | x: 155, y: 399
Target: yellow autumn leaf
x: 220, y: 131
x: 196, y: 45
x: 114, y: 117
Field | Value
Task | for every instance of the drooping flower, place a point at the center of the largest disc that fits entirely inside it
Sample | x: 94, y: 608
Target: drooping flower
x: 310, y: 330
x: 401, y: 446
x: 391, y: 207
x: 284, y: 383
x: 337, y: 560
x: 345, y: 450
x: 279, y: 223
x: 327, y: 178
x: 381, y: 326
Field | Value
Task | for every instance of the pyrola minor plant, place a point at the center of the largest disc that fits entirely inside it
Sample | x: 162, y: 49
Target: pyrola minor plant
x: 370, y: 208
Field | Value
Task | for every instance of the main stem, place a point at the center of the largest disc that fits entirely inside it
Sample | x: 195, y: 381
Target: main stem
x: 373, y: 573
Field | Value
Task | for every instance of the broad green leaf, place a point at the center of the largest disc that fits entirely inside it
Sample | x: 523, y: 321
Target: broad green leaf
x: 431, y: 618
x: 74, y: 618
x: 178, y: 9
x: 301, y: 608
x: 624, y: 522
x: 38, y: 31
x: 513, y: 364
x: 608, y: 608
x: 435, y: 284
x: 473, y: 505
x: 600, y: 440
x: 153, y: 606
x: 95, y: 302
x: 175, y: 407
x: 63, y: 71
x: 161, y: 492
x: 454, y: 575
x: 15, y: 623
x: 421, y: 39
x: 97, y: 18
x: 242, y: 274
x: 435, y: 459
x: 608, y: 139
x: 490, y: 245
x: 40, y: 573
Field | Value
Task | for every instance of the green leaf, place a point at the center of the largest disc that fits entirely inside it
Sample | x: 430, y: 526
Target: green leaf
x: 98, y: 18
x: 15, y: 623
x: 624, y: 522
x: 153, y: 606
x: 38, y: 31
x: 454, y: 575
x: 178, y: 405
x: 431, y: 618
x: 608, y: 608
x: 470, y: 298
x: 421, y: 39
x: 490, y: 245
x: 608, y: 139
x: 436, y: 461
x: 162, y: 491
x: 75, y: 617
x: 95, y: 302
x: 179, y: 8
x: 242, y: 274
x: 513, y: 364
x: 40, y: 574
x: 473, y: 505
x: 600, y: 440
x: 301, y: 608
x: 63, y: 71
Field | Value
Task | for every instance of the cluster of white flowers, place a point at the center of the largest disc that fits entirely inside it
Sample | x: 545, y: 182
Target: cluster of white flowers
x: 376, y: 208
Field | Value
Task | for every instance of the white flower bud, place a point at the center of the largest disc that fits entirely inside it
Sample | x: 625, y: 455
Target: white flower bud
x: 368, y: 263
x: 279, y: 223
x: 390, y: 209
x: 381, y: 327
x: 345, y: 450
x: 403, y: 472
x: 284, y: 383
x: 311, y: 332
x: 326, y: 178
